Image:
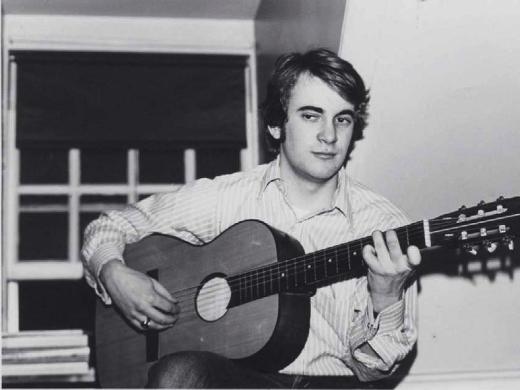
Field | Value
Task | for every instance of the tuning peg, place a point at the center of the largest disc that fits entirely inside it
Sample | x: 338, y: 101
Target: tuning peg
x: 509, y: 242
x: 490, y: 246
x: 500, y: 198
x: 472, y: 250
x: 481, y: 203
x: 464, y: 271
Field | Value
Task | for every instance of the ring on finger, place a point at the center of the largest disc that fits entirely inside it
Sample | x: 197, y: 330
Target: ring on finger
x: 145, y: 323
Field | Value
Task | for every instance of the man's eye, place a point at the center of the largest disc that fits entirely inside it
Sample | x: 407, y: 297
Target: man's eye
x: 344, y: 120
x: 309, y: 117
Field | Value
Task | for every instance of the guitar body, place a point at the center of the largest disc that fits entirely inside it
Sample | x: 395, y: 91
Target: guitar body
x: 266, y: 333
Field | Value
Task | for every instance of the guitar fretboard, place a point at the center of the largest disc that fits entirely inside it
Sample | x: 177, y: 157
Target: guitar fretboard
x: 313, y: 270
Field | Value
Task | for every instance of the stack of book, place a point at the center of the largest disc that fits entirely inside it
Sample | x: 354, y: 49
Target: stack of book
x: 50, y: 354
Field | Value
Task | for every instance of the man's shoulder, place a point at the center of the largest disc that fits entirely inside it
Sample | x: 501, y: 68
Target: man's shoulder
x: 241, y: 179
x: 365, y: 200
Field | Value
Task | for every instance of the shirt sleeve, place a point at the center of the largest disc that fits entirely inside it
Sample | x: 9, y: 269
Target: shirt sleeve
x: 392, y: 334
x: 188, y: 213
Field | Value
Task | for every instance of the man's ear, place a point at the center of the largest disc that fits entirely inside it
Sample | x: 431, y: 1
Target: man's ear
x: 275, y: 131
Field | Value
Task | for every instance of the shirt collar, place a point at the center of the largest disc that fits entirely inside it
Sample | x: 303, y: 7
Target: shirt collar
x: 271, y: 174
x: 341, y: 195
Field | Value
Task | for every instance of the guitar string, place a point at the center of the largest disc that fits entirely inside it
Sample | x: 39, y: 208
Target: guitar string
x: 266, y: 276
x: 338, y: 248
x: 259, y: 284
x: 267, y: 270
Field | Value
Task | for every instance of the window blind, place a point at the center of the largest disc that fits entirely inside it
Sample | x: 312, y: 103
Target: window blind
x: 92, y: 99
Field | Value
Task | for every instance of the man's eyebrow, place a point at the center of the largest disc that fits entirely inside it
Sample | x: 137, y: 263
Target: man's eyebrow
x: 321, y: 111
x: 312, y: 108
x: 352, y: 113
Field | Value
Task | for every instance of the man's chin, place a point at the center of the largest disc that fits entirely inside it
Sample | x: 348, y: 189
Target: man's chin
x: 324, y: 176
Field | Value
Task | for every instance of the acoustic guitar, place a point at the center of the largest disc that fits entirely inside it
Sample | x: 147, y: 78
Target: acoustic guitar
x: 246, y: 294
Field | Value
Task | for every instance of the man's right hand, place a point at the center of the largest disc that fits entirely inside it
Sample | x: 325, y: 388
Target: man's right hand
x: 139, y: 297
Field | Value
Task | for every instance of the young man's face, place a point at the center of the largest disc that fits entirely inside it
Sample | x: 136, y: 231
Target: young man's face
x: 317, y: 132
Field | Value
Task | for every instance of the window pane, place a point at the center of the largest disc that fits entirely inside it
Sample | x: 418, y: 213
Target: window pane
x: 43, y: 236
x: 56, y: 305
x: 161, y: 166
x: 103, y: 166
x: 43, y: 166
x: 214, y: 162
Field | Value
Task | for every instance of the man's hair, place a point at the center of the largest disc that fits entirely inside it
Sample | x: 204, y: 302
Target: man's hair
x: 337, y: 73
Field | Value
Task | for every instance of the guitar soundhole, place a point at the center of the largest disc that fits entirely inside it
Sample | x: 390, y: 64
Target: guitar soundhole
x: 213, y: 299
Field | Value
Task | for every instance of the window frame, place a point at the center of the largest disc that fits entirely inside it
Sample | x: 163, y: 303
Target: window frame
x: 14, y: 270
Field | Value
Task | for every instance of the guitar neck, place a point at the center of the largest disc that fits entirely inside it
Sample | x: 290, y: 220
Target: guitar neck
x: 317, y: 269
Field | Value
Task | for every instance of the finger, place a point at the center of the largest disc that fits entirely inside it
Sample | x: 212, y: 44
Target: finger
x: 162, y: 303
x: 137, y: 324
x: 159, y: 288
x: 414, y: 256
x: 161, y: 318
x: 157, y: 326
x: 141, y: 322
x: 370, y: 257
x: 394, y: 248
x: 383, y: 256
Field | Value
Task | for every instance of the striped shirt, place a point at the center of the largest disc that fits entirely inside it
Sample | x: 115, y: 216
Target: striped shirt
x: 341, y: 314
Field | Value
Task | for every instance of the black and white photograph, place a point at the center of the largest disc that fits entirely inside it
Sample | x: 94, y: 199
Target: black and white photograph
x: 295, y: 194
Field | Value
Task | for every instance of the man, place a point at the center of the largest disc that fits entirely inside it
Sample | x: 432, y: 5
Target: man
x: 361, y: 328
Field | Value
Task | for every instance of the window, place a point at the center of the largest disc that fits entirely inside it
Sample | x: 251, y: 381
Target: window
x: 93, y: 131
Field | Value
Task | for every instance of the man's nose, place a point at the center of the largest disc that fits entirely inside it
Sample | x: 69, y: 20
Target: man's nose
x: 327, y: 133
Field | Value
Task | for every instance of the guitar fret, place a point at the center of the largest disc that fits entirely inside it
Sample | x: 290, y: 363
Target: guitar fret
x: 325, y: 263
x: 271, y: 280
x: 240, y: 299
x: 252, y: 285
x: 314, y: 269
x: 308, y: 270
x: 267, y: 279
x: 260, y: 282
x: 337, y: 260
x: 278, y: 272
x: 305, y: 270
x: 286, y: 277
x: 295, y: 271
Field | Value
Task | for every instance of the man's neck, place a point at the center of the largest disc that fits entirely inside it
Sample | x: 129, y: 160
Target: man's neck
x: 307, y: 194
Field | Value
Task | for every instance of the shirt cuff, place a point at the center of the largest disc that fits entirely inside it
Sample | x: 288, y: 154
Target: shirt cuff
x: 389, y: 321
x: 99, y: 258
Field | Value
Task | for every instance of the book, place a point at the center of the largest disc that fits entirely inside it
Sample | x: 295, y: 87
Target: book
x: 41, y: 339
x: 47, y: 369
x: 45, y: 355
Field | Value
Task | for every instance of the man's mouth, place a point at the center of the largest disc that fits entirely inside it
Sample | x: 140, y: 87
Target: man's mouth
x: 324, y: 155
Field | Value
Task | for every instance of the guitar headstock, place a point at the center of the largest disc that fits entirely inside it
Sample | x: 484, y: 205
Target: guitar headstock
x: 486, y: 225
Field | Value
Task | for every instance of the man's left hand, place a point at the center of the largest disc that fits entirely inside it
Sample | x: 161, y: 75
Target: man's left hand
x: 388, y: 268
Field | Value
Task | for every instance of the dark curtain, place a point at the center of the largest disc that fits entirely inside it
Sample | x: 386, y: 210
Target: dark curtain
x: 90, y: 99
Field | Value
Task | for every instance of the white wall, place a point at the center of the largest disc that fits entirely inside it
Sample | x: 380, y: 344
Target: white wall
x: 444, y: 131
